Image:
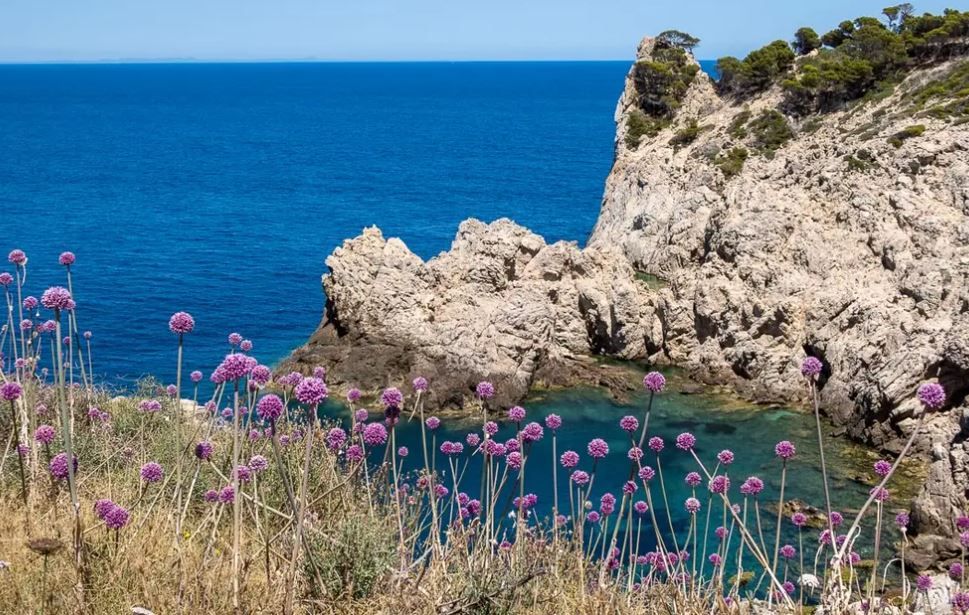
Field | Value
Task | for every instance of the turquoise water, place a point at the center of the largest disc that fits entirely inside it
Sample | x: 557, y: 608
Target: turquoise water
x: 717, y: 423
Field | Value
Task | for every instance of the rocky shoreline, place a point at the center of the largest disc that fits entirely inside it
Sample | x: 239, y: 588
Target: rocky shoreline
x: 801, y: 251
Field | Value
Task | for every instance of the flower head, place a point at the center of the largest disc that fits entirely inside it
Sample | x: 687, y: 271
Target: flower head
x: 403, y: 451
x: 932, y: 395
x: 235, y: 339
x: 656, y: 444
x: 30, y: 302
x: 924, y: 583
x: 532, y: 432
x: 811, y: 367
x: 629, y: 423
x: 353, y: 395
x: 10, y: 391
x: 579, y: 477
x: 752, y: 486
x: 234, y: 367
x: 57, y: 298
x: 204, y: 450
x: 243, y: 474
x: 640, y: 507
x: 484, y: 390
x: 5, y: 279
x: 473, y: 440
x: 432, y: 422
x: 654, y: 382
x: 66, y: 258
x: 354, y: 453
x: 227, y: 494
x: 44, y: 434
x: 693, y: 479
x: 392, y: 397
x: 270, y: 407
x: 17, y: 257
x: 788, y: 552
x: 420, y: 384
x: 116, y: 517
x: 725, y: 457
x: 181, y: 323
x: 152, y: 472
x: 516, y: 414
x: 258, y: 463
x: 196, y: 376
x: 646, y: 473
x: 245, y: 345
x: 58, y: 466
x: 597, y: 448
x: 311, y: 391
x: 374, y: 434
x: 799, y: 519
x: 336, y: 438
x: 719, y: 484
x: 685, y: 441
x: 784, y: 449
x: 553, y: 421
x: 569, y: 459
x: 692, y: 505
x: 882, y: 467
x: 902, y: 521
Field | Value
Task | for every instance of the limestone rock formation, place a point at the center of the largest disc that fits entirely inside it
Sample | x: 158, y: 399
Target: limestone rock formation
x: 501, y: 305
x: 843, y: 243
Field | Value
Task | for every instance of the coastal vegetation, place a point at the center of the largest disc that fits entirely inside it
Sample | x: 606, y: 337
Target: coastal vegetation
x: 247, y: 501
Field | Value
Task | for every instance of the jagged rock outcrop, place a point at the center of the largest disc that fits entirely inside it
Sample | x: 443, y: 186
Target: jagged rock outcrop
x: 842, y: 240
x: 501, y: 305
x: 841, y: 244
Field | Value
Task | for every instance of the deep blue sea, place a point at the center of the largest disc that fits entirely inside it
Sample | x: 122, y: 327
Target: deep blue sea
x: 220, y: 189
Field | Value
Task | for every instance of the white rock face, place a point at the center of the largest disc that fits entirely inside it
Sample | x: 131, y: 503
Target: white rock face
x: 839, y: 245
x: 806, y: 252
x: 501, y: 305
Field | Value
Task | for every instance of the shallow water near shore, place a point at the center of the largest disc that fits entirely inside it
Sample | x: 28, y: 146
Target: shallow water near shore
x: 717, y: 422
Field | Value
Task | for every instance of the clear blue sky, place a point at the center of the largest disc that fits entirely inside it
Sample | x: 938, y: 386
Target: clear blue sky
x: 95, y: 30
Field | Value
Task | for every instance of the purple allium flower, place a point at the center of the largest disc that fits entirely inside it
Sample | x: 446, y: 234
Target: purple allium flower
x: 924, y: 583
x: 579, y: 477
x: 597, y: 448
x: 392, y: 397
x: 11, y: 391
x: 149, y: 405
x: 640, y: 507
x: 261, y: 375
x: 254, y: 435
x: 23, y: 449
x: 473, y: 440
x: 932, y: 395
x: 514, y: 460
x: 630, y: 487
x: 629, y: 423
x: 181, y: 323
x: 152, y: 472
x: 646, y: 473
x: 235, y: 339
x: 692, y: 505
x: 353, y: 395
x: 88, y: 335
x: 962, y: 522
x: 26, y: 324
x: 592, y: 517
x: 311, y: 391
x: 227, y: 494
x: 66, y: 258
x: 374, y: 434
x: 788, y: 587
x: 532, y: 432
x: 511, y: 444
x: 116, y: 517
x: 484, y: 390
x: 569, y: 459
x: 719, y: 484
x: 693, y: 479
x: 553, y: 421
x: 785, y: 449
x: 245, y: 345
x: 5, y: 279
x: 685, y: 441
x: 960, y: 601
x: 354, y: 453
x: 336, y: 438
x: 656, y: 444
x: 204, y: 450
x: 57, y: 298
x: 196, y: 376
x: 234, y: 367
x: 403, y: 451
x: 964, y: 539
x: 635, y: 453
x: 882, y: 467
x: 432, y: 422
x: 58, y: 466
x: 881, y: 494
x: 441, y: 491
x: 44, y: 434
x: 171, y: 390
x: 607, y: 504
x: 720, y: 532
x: 799, y: 519
x: 956, y: 571
x: 516, y: 414
x: 788, y: 552
x: 902, y: 521
x: 211, y: 496
x: 30, y: 302
x: 811, y: 367
x: 361, y: 416
x: 836, y: 518
x: 654, y: 382
x: 101, y: 507
x: 270, y: 407
x: 17, y: 257
x: 243, y: 474
x: 752, y: 486
x: 715, y: 559
x: 725, y: 457
x: 491, y: 428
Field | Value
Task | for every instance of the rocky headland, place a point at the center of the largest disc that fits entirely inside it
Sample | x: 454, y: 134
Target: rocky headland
x: 736, y: 236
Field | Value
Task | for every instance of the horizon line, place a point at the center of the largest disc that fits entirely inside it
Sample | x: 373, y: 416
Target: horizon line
x: 170, y: 61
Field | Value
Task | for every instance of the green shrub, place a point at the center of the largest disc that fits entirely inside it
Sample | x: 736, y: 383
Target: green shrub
x: 638, y: 125
x: 662, y: 81
x: 770, y: 131
x: 687, y: 134
x: 905, y: 134
x: 806, y: 40
x: 736, y: 128
x: 757, y: 71
x: 733, y: 162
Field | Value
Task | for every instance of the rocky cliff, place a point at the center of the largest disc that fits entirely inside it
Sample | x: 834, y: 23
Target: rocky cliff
x: 767, y: 237
x: 848, y: 240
